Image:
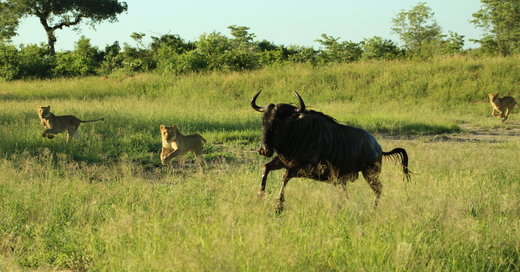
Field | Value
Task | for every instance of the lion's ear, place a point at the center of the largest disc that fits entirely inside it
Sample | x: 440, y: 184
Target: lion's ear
x: 162, y: 127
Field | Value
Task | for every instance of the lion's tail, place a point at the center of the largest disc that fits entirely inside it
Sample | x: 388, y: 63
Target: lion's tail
x: 90, y: 121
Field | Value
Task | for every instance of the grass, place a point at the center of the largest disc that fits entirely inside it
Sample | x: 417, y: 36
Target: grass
x: 101, y: 203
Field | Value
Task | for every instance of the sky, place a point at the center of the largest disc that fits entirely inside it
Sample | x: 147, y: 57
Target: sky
x: 283, y: 22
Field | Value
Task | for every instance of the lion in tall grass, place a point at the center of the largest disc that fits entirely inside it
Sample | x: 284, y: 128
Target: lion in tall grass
x: 175, y: 144
x: 501, y: 105
x: 56, y: 124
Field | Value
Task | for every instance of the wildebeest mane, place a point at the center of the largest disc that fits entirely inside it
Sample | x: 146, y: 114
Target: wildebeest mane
x: 324, y: 140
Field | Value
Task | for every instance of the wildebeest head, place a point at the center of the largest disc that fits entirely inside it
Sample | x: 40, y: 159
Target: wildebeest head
x: 273, y: 120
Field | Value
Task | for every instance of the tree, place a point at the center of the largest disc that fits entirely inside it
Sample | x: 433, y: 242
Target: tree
x: 417, y: 28
x: 213, y: 48
x: 175, y: 42
x: 453, y: 43
x: 336, y: 51
x: 83, y: 61
x: 501, y: 20
x: 242, y: 38
x: 56, y: 14
x: 380, y: 49
x: 8, y: 23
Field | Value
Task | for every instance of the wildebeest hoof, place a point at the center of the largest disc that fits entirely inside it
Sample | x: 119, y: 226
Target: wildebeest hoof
x: 260, y: 194
x: 279, y: 207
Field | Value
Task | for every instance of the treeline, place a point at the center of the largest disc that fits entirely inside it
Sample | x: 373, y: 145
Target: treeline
x: 214, y: 51
x: 419, y: 33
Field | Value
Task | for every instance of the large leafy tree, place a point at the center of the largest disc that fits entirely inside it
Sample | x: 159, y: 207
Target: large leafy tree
x: 417, y: 28
x: 501, y: 20
x: 8, y: 23
x: 57, y: 14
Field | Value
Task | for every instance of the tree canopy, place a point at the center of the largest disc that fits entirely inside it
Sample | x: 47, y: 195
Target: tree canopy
x: 8, y: 22
x: 56, y: 14
x: 416, y: 27
x: 421, y: 38
x: 501, y: 20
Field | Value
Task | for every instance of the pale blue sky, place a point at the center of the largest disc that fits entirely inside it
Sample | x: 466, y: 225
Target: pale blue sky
x: 283, y: 22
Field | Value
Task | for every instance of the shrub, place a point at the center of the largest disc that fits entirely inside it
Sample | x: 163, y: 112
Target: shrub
x: 35, y: 62
x: 9, y: 62
x: 83, y: 61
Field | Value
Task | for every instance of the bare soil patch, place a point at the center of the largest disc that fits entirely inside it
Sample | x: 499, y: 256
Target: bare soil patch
x: 503, y: 132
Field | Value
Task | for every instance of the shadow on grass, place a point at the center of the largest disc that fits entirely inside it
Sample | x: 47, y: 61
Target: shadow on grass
x: 419, y: 129
x: 139, y: 139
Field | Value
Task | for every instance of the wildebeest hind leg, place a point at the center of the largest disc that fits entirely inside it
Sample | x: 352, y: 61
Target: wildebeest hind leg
x: 371, y: 175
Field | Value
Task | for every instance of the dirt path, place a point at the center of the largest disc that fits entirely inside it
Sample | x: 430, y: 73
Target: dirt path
x: 510, y: 131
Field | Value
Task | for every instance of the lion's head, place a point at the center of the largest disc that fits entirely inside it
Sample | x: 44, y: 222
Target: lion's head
x: 492, y: 96
x: 43, y: 111
x: 169, y: 133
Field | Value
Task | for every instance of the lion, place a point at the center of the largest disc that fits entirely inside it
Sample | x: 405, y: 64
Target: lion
x: 175, y: 144
x: 56, y: 124
x: 502, y: 105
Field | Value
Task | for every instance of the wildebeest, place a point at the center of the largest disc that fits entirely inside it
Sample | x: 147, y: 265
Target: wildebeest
x: 313, y: 145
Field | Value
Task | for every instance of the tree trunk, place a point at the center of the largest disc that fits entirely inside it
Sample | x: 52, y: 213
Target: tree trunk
x: 51, y: 40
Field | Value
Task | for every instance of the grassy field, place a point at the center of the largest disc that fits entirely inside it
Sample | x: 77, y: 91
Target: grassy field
x: 103, y: 203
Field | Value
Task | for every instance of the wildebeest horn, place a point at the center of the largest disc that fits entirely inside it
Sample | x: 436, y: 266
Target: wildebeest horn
x: 301, y: 107
x: 253, y: 103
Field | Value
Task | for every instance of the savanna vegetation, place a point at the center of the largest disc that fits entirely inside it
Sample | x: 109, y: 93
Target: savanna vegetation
x: 103, y: 202
x: 421, y: 38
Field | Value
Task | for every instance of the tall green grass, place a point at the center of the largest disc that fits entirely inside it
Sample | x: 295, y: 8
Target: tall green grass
x: 103, y: 203
x: 460, y: 213
x: 383, y: 97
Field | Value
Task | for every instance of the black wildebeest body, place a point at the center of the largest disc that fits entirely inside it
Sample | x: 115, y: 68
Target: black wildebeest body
x: 313, y: 145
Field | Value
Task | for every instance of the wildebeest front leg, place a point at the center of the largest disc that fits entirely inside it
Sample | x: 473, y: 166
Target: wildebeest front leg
x: 274, y: 164
x: 281, y: 199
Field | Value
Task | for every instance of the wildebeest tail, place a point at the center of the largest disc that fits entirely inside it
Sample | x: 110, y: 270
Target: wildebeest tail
x: 400, y: 153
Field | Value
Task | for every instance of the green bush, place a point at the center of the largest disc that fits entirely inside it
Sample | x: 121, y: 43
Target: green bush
x: 9, y: 62
x: 83, y: 61
x: 35, y: 62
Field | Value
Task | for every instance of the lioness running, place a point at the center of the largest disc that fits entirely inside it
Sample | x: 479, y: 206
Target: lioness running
x: 502, y: 105
x: 56, y: 124
x: 175, y: 144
